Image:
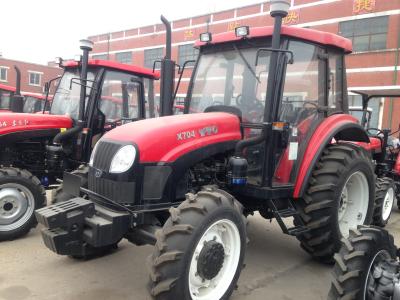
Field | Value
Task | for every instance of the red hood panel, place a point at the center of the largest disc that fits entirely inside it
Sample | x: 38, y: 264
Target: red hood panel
x: 14, y: 122
x: 168, y: 138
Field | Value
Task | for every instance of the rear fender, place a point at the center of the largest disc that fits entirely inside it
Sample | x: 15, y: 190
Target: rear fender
x: 339, y: 127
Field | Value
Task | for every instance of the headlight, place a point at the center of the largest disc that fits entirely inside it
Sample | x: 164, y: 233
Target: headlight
x: 92, y: 155
x: 123, y: 159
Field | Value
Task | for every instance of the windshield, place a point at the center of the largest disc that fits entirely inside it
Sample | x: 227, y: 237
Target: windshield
x: 5, y: 100
x: 32, y: 104
x: 230, y: 77
x: 67, y: 96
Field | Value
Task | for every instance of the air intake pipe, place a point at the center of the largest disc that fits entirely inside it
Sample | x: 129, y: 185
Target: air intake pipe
x: 167, y: 78
x: 86, y: 47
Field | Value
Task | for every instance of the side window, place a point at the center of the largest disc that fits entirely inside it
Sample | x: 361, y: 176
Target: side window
x: 335, y: 94
x: 301, y: 92
x: 120, y: 96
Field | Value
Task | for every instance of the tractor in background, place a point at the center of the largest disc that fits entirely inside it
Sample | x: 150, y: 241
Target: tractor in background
x: 37, y: 148
x: 265, y: 128
x: 384, y: 147
x: 12, y: 100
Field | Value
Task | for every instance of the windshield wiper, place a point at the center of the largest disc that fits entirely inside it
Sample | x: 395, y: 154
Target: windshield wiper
x: 246, y: 63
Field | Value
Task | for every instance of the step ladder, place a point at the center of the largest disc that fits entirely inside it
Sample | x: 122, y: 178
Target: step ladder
x: 288, y: 212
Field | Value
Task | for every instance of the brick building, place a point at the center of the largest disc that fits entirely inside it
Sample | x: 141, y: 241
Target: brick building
x: 33, y: 76
x: 372, y: 25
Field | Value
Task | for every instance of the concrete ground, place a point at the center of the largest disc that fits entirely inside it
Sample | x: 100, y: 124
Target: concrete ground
x: 276, y: 269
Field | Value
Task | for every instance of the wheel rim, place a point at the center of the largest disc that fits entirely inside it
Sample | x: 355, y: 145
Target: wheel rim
x: 354, y: 200
x: 16, y: 206
x: 387, y: 204
x: 226, y: 234
x: 379, y: 257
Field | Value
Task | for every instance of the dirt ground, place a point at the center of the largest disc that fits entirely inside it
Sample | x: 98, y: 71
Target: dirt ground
x: 276, y: 268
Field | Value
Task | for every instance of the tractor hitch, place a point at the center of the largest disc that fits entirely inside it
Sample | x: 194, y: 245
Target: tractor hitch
x: 77, y: 226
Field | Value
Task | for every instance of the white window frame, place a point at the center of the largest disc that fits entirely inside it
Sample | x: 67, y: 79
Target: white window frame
x: 40, y: 78
x: 6, y: 68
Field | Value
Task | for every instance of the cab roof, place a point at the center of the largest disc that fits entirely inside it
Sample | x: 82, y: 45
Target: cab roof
x: 393, y: 92
x: 312, y: 35
x: 7, y: 88
x: 140, y: 71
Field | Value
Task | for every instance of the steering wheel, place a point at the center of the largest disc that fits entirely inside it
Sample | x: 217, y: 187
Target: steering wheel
x: 376, y: 133
x: 238, y: 100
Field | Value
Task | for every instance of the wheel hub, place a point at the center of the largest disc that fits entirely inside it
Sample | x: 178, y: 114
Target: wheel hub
x: 16, y: 205
x: 211, y: 259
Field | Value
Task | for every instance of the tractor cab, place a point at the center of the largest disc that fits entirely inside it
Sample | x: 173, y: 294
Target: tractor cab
x: 6, y: 94
x: 34, y: 103
x: 384, y: 142
x: 233, y: 72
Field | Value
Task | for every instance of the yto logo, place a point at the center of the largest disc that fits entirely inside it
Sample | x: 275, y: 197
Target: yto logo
x: 98, y: 173
x: 209, y: 130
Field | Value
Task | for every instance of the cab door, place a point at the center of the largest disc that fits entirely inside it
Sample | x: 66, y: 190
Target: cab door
x: 302, y: 107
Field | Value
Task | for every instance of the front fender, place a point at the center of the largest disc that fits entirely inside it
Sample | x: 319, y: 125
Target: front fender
x: 339, y: 127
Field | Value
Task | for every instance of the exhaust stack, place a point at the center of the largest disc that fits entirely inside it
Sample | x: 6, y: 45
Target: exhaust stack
x: 167, y: 74
x: 17, y: 101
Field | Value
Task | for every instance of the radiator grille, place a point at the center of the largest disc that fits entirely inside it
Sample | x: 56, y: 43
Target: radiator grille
x: 104, y: 153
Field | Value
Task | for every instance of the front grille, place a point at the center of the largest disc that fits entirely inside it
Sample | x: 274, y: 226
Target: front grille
x: 118, y: 191
x: 104, y: 153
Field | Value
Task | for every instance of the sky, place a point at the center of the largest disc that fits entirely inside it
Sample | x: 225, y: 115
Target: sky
x: 40, y: 30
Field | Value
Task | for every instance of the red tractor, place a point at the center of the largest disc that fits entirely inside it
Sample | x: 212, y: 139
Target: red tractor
x: 384, y: 146
x: 37, y: 148
x: 266, y: 128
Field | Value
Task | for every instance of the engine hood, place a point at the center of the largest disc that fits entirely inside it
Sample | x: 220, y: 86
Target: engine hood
x: 167, y: 138
x: 14, y: 122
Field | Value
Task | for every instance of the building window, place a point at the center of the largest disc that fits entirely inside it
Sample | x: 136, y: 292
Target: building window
x: 35, y: 78
x: 151, y: 55
x: 3, y: 73
x: 100, y: 56
x: 187, y: 52
x: 124, y: 57
x: 366, y: 34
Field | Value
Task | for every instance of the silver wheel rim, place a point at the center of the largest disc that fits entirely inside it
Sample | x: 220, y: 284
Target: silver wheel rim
x: 387, y: 204
x: 354, y: 200
x: 224, y: 232
x: 379, y: 256
x: 16, y: 206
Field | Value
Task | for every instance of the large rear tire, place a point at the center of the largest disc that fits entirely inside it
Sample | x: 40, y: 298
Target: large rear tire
x: 20, y: 195
x: 384, y: 200
x: 340, y: 196
x: 200, y: 250
x: 356, y: 261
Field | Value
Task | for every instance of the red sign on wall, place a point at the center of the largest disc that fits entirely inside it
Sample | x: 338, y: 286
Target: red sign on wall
x: 363, y: 6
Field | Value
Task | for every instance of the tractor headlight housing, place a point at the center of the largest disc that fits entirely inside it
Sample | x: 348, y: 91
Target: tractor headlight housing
x: 123, y: 159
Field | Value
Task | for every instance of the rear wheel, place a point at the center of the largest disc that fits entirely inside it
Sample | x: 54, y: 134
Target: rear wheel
x: 384, y: 200
x: 200, y: 250
x: 340, y: 196
x: 362, y: 257
x: 20, y: 195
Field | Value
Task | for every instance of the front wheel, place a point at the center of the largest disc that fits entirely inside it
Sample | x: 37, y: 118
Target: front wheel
x: 200, y: 250
x: 20, y: 194
x: 360, y: 263
x: 384, y: 200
